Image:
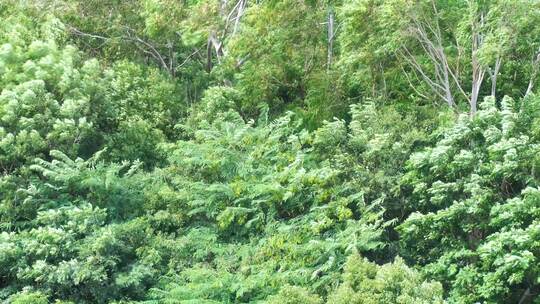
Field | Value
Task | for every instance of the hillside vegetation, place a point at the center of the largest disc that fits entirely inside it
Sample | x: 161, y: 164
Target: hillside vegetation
x: 272, y: 151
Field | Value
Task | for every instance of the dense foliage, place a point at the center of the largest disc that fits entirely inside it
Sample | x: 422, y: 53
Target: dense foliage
x: 294, y: 151
x: 476, y: 192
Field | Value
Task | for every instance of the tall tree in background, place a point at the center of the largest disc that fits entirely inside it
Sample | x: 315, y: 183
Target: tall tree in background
x: 442, y: 48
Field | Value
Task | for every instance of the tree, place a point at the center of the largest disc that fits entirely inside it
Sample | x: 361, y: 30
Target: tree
x: 366, y: 282
x: 474, y: 194
x: 438, y: 48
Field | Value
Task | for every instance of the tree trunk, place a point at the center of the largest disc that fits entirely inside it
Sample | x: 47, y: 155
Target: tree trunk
x: 493, y: 76
x: 534, y: 73
x: 478, y: 71
x: 525, y: 295
x: 330, y: 23
x: 239, y: 13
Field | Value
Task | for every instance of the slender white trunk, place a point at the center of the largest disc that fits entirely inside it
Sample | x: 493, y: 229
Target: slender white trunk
x: 330, y: 23
x: 478, y: 71
x: 532, y: 80
x: 493, y: 76
x: 239, y: 13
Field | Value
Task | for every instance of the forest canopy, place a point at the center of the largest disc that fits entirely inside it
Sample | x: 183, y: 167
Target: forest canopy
x: 273, y: 151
